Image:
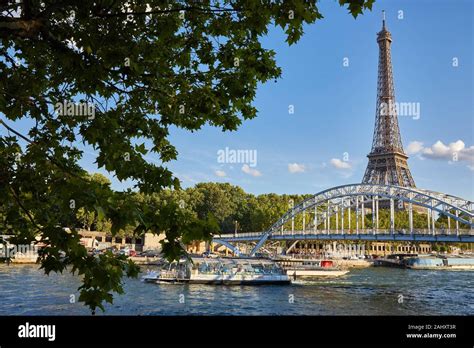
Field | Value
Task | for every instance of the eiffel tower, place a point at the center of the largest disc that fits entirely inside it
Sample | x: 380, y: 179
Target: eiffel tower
x: 387, y: 160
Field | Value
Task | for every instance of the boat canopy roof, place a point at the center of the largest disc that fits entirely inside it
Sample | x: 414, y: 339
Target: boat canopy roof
x: 236, y: 261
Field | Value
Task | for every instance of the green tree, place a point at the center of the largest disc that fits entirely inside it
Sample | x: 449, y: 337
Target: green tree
x: 116, y: 75
x: 88, y: 219
x: 85, y: 218
x: 213, y: 198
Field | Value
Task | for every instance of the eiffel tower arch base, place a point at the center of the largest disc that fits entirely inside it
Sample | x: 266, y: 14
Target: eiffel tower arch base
x: 388, y: 169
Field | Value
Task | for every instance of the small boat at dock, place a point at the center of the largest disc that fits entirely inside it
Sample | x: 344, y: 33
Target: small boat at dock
x: 393, y: 260
x: 310, y: 268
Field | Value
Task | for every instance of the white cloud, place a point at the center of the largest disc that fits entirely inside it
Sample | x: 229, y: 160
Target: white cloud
x: 338, y: 164
x: 296, y: 168
x: 187, y: 178
x: 453, y: 152
x: 250, y: 171
x: 220, y: 173
x: 414, y: 147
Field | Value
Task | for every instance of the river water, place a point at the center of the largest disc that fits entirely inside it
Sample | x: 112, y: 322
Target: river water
x: 25, y: 290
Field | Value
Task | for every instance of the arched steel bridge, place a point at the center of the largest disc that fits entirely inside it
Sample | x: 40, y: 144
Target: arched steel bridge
x: 318, y: 210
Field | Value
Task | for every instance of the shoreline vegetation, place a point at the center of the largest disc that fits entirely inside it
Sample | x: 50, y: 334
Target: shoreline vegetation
x: 233, y: 210
x: 238, y: 211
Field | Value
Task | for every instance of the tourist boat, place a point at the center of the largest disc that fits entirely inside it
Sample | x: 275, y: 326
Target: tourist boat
x: 440, y: 263
x: 202, y: 270
x: 310, y: 268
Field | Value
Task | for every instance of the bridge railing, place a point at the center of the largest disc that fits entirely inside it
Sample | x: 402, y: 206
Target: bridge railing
x: 443, y: 232
x: 238, y: 235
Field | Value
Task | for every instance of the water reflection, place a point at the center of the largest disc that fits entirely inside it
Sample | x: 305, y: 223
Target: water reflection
x: 24, y: 290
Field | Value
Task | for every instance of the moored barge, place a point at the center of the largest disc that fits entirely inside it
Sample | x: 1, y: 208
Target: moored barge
x: 439, y: 263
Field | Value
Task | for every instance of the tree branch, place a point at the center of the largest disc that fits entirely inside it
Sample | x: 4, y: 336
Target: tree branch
x: 171, y: 10
x: 22, y: 207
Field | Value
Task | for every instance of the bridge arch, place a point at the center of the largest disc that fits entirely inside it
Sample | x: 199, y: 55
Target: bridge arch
x: 354, y: 195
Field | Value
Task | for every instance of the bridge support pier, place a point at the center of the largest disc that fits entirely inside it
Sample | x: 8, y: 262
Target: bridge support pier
x: 342, y: 215
x: 377, y: 211
x: 363, y: 214
x: 292, y: 205
x: 293, y: 224
x: 349, y: 217
x: 357, y: 214
x: 410, y: 217
x: 457, y: 223
x: 449, y: 224
x: 428, y: 216
x: 373, y: 215
x: 315, y: 219
x: 326, y: 223
x: 328, y: 220
x: 304, y: 219
x: 392, y: 216
x: 472, y: 219
x: 433, y: 219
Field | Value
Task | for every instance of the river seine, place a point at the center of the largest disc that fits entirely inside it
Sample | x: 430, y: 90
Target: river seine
x: 25, y: 290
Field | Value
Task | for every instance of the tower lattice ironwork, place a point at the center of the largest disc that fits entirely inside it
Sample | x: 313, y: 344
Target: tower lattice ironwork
x: 387, y: 160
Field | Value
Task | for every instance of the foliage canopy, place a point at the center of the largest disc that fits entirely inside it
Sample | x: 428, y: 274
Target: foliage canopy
x: 144, y: 66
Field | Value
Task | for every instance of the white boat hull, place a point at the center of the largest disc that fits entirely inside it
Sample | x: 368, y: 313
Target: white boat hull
x: 239, y: 279
x: 315, y: 273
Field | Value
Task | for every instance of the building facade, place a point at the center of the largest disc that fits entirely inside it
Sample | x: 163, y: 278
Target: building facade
x: 338, y: 249
x: 102, y: 240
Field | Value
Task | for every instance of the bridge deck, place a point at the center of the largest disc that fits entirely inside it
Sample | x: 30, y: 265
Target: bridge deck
x: 464, y: 236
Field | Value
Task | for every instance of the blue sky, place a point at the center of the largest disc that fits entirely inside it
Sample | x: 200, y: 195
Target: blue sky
x: 325, y: 141
x: 334, y: 106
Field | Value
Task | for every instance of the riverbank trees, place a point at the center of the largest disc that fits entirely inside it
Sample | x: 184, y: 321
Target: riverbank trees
x: 233, y: 210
